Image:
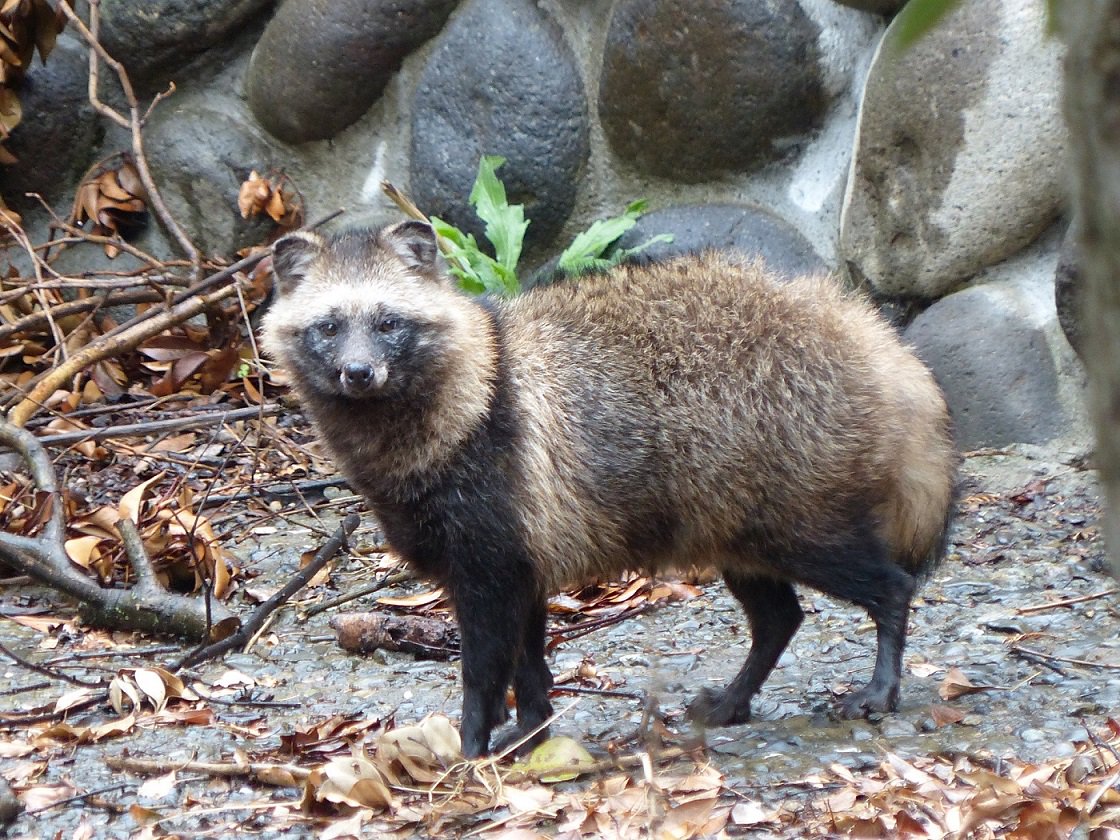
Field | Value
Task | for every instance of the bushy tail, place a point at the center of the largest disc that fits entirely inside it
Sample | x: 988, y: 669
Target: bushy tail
x: 924, y: 500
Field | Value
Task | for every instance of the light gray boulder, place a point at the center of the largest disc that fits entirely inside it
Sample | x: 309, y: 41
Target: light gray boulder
x: 959, y: 153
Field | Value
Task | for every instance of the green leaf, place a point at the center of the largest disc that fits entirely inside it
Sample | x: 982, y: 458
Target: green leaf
x: 916, y: 19
x: 624, y: 254
x: 476, y: 271
x: 587, y: 248
x: 505, y: 223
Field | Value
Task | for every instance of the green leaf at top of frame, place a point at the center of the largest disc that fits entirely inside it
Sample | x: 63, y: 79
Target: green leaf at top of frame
x: 916, y: 19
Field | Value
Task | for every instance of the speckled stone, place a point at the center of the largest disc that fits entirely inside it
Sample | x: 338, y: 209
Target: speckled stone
x: 692, y: 89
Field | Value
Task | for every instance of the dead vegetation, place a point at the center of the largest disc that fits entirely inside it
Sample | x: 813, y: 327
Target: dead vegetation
x: 163, y: 425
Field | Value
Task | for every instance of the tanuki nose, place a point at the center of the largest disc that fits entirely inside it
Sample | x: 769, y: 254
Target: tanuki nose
x: 357, y: 375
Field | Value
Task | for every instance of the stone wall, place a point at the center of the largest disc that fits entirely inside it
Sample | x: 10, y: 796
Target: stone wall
x: 933, y: 176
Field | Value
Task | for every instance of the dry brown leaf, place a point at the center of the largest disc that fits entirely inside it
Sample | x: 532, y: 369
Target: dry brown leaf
x: 420, y: 599
x: 278, y: 201
x: 72, y: 698
x: 425, y: 750
x: 132, y: 501
x: 114, y: 200
x: 945, y: 715
x: 353, y: 780
x: 956, y: 684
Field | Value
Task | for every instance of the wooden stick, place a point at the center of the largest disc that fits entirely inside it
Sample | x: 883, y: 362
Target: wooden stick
x: 171, y: 424
x: 253, y: 623
x: 1065, y: 602
x: 266, y: 772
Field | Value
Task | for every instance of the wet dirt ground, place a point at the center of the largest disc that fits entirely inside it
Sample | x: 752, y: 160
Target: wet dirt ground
x: 1026, y: 537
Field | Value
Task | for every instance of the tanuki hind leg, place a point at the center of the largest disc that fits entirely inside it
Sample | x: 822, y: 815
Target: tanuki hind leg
x: 863, y: 573
x: 774, y: 615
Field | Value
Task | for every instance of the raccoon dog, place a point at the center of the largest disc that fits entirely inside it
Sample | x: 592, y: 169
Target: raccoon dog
x: 687, y: 413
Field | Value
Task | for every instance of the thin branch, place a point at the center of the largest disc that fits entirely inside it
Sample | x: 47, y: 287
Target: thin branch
x: 81, y: 797
x: 110, y: 345
x: 1066, y: 602
x: 44, y: 671
x: 353, y: 595
x: 133, y: 122
x: 171, y: 424
x: 112, y: 297
x: 1042, y: 659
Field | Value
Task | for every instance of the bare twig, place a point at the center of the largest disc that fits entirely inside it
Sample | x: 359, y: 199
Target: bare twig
x: 133, y: 122
x: 42, y: 670
x: 1043, y: 658
x: 81, y: 797
x: 1066, y: 602
x: 353, y: 595
x: 20, y: 689
x: 171, y: 424
x: 112, y: 297
x: 251, y: 624
x: 55, y: 714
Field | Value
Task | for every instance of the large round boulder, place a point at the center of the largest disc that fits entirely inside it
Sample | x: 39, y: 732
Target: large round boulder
x: 500, y: 81
x: 959, y: 155
x: 693, y: 88
x: 746, y: 230
x: 152, y: 38
x: 996, y: 349
x: 320, y: 64
x: 200, y: 155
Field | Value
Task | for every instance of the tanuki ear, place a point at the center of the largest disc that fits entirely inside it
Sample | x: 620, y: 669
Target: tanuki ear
x: 292, y: 256
x: 413, y: 242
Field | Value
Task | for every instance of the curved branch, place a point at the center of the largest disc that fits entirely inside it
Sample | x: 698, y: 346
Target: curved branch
x: 146, y: 606
x: 133, y: 122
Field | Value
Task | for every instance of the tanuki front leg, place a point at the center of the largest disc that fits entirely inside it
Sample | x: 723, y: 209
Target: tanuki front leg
x: 492, y: 622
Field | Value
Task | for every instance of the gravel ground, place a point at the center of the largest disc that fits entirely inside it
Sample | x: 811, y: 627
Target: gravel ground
x: 1026, y: 537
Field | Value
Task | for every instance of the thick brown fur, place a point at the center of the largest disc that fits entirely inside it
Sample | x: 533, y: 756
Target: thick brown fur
x: 699, y: 411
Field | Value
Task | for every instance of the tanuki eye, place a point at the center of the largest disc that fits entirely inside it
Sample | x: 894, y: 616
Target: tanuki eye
x: 328, y: 328
x: 388, y: 325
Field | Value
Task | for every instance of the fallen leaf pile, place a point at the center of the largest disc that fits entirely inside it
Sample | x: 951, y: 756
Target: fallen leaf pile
x: 184, y: 550
x: 963, y: 796
x: 114, y: 201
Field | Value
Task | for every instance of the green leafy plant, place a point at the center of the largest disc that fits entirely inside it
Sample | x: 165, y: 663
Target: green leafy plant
x: 505, y: 228
x: 587, y: 249
x: 478, y: 272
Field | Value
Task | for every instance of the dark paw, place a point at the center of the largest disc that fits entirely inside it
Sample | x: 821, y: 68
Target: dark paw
x: 868, y: 700
x: 717, y: 708
x: 510, y: 737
